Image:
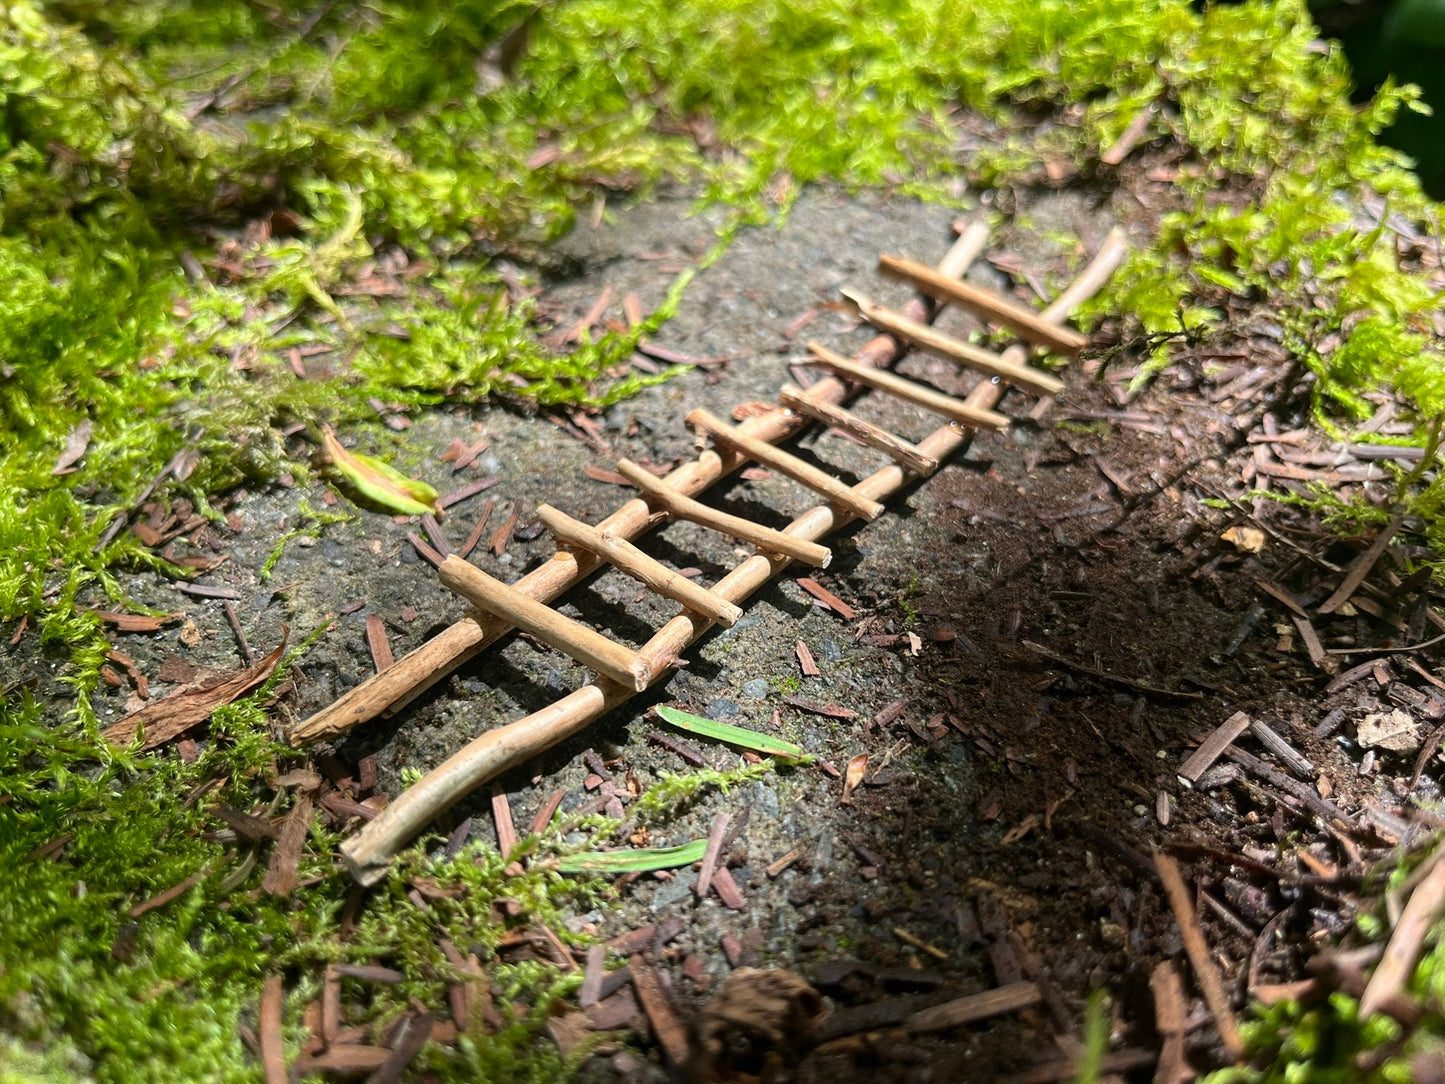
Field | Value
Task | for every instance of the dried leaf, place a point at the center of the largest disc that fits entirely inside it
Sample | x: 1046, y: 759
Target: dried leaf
x: 75, y: 445
x: 135, y: 622
x: 379, y: 481
x: 734, y: 735
x: 172, y: 716
x: 1245, y: 539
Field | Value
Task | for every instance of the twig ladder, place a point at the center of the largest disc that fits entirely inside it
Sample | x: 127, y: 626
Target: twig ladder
x: 623, y: 672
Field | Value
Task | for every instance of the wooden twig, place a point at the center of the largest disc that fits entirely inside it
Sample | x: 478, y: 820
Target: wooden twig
x: 986, y: 304
x: 671, y: 1035
x: 959, y: 410
x: 936, y: 342
x: 626, y: 557
x: 658, y: 493
x: 1127, y: 141
x: 801, y: 471
x: 1276, y: 744
x: 710, y: 856
x: 965, y: 1010
x: 502, y: 818
x: 1361, y: 566
x: 1104, y: 675
x: 1205, y: 971
x: 846, y: 421
x: 545, y: 814
x: 1396, y: 966
x: 369, y: 852
x: 1171, y: 1012
x: 1293, y: 787
x: 607, y: 657
x: 476, y: 535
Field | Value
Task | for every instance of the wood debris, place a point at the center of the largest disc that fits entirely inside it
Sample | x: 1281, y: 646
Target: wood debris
x: 974, y: 1007
x: 282, y: 874
x: 805, y: 660
x: 376, y: 639
x: 273, y: 1048
x: 171, y: 716
x: 1205, y: 970
x: 827, y: 598
x: 1214, y: 746
x: 666, y: 1027
x: 1387, y: 984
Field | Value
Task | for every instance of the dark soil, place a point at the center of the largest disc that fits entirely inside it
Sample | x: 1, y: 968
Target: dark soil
x: 1011, y: 803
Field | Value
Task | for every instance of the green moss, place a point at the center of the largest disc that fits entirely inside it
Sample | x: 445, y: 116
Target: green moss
x: 672, y: 792
x: 289, y: 150
x: 786, y: 685
x: 906, y: 604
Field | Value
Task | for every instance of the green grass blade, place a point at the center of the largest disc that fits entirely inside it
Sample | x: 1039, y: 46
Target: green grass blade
x: 637, y: 861
x: 734, y: 735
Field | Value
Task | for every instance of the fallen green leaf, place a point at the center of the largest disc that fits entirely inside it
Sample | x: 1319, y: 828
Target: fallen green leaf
x: 637, y: 861
x: 735, y: 735
x: 379, y: 481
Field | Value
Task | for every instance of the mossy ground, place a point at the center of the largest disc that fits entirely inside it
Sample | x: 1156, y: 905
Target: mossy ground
x: 187, y: 192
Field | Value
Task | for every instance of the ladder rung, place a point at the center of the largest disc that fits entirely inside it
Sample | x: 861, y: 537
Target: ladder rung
x: 627, y: 558
x: 893, y: 384
x: 937, y: 342
x: 872, y: 435
x: 1029, y: 325
x: 662, y: 495
x: 608, y: 658
x: 839, y: 493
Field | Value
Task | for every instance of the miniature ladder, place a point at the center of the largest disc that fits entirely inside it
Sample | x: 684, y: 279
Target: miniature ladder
x: 626, y: 671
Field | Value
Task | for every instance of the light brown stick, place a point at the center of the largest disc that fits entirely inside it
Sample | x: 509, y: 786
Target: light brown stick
x: 936, y: 342
x: 1205, y: 971
x: 607, y: 657
x: 965, y: 1010
x: 846, y: 421
x: 765, y: 538
x: 369, y: 852
x: 985, y: 303
x: 799, y: 470
x: 959, y: 410
x: 623, y: 555
x: 1406, y: 943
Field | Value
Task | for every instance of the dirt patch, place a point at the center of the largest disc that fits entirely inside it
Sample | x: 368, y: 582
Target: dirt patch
x: 1044, y: 630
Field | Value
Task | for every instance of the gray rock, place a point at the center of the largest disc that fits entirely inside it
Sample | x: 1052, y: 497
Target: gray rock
x: 672, y: 891
x: 763, y: 799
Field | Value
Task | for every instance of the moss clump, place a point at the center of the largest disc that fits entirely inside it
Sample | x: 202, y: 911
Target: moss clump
x: 291, y: 154
x: 88, y: 992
